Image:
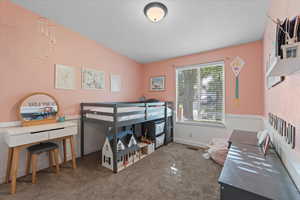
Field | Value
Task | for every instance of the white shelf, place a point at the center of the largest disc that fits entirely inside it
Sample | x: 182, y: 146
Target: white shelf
x: 284, y: 67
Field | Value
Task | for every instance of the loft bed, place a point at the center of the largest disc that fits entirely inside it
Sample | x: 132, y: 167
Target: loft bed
x: 122, y: 114
x: 116, y: 115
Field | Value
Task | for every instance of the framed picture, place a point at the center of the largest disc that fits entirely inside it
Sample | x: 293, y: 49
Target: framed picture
x: 64, y: 77
x: 266, y: 145
x: 157, y: 83
x: 115, y: 83
x: 92, y: 79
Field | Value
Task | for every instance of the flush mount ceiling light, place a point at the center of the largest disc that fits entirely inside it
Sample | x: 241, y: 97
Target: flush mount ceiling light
x: 155, y: 11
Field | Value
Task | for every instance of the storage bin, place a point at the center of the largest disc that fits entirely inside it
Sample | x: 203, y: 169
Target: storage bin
x: 160, y: 140
x: 154, y: 128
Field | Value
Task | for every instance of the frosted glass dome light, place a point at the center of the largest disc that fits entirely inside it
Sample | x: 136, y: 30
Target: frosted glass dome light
x: 155, y: 11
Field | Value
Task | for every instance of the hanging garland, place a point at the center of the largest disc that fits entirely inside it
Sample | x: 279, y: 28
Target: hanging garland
x: 237, y: 65
x: 47, y: 31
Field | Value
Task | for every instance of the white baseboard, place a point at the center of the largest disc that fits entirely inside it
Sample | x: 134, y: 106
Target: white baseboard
x: 73, y: 117
x: 201, y: 135
x: 244, y: 122
x: 189, y: 142
x: 259, y: 117
x: 10, y: 124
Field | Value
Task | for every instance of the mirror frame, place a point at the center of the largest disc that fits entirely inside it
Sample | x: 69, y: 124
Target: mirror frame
x: 37, y: 122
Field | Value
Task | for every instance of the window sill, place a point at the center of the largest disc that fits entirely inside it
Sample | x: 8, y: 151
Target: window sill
x: 203, y: 124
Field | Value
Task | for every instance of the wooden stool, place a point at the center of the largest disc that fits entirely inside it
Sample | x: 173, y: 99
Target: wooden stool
x: 35, y: 150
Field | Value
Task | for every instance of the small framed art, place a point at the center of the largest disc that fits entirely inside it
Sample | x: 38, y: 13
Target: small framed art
x: 157, y: 83
x: 92, y: 79
x: 266, y: 145
x: 115, y: 83
x: 65, y: 77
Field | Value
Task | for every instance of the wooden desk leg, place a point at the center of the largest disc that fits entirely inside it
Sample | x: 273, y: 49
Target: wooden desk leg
x: 8, y: 168
x: 14, y: 170
x: 55, y: 151
x: 65, y: 150
x: 51, y: 157
x: 73, y: 152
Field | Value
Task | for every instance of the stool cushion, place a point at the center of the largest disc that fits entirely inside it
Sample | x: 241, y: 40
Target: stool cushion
x: 43, y: 147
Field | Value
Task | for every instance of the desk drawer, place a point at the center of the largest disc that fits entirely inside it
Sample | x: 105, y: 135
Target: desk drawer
x: 62, y: 132
x: 16, y: 140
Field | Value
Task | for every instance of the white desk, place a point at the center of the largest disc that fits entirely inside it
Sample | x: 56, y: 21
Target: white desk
x: 18, y: 138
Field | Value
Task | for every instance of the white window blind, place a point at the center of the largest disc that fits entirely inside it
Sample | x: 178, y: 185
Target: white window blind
x: 200, y: 93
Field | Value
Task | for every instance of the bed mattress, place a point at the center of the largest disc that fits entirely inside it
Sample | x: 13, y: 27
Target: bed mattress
x: 111, y: 110
x: 154, y: 112
x: 111, y: 119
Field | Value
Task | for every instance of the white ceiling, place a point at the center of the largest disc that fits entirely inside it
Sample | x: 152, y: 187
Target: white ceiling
x: 191, y: 26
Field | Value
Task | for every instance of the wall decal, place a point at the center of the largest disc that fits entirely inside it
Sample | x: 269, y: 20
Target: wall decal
x: 47, y: 30
x: 284, y: 129
x: 92, y: 79
x: 115, y: 83
x: 47, y: 37
x: 64, y: 77
x: 237, y: 65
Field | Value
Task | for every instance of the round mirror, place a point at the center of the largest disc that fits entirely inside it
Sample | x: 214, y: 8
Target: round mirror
x: 38, y: 108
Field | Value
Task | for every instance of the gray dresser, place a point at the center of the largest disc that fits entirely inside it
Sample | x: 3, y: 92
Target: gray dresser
x: 249, y: 175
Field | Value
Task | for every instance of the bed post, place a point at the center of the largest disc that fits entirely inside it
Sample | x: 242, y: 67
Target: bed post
x: 115, y: 132
x: 146, y: 111
x: 166, y: 120
x: 171, y: 121
x: 81, y: 130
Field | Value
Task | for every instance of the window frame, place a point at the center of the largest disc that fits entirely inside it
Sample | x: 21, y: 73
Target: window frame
x: 202, y: 122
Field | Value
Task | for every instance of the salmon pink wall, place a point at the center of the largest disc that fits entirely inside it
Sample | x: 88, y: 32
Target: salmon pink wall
x: 284, y: 99
x: 251, y: 78
x: 27, y: 64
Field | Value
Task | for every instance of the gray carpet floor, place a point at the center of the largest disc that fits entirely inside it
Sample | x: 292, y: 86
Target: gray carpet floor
x: 172, y: 172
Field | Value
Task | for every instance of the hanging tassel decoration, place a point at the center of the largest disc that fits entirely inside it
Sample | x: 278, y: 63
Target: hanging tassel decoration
x: 236, y: 65
x: 237, y: 96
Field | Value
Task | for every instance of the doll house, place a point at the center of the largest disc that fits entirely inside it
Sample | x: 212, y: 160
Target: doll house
x: 128, y: 151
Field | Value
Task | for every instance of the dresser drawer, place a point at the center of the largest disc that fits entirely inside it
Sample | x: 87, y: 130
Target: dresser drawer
x: 16, y: 140
x: 228, y: 193
x: 62, y: 132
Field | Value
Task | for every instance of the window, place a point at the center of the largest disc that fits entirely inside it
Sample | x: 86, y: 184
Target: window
x: 200, y: 93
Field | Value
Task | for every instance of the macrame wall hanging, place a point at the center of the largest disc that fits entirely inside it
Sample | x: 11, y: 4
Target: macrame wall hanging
x: 237, y: 65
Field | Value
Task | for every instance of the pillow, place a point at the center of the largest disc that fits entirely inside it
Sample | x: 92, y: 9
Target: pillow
x: 262, y: 136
